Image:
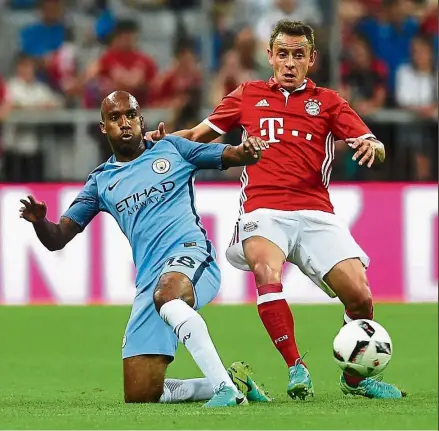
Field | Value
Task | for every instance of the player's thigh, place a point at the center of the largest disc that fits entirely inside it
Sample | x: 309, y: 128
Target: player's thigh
x: 193, y: 275
x: 264, y: 258
x: 146, y: 333
x: 143, y: 377
x: 260, y: 242
x: 325, y: 241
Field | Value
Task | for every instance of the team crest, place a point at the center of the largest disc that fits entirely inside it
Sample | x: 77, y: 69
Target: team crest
x: 250, y: 226
x: 161, y: 166
x: 312, y: 107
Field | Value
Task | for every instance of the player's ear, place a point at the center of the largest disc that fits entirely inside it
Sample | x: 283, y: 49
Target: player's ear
x: 102, y: 127
x: 313, y: 58
x: 270, y: 56
x: 142, y: 124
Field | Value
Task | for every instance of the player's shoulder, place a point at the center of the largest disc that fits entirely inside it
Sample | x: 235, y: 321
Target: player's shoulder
x: 168, y: 141
x: 99, y: 170
x: 254, y: 85
x: 328, y: 96
x: 170, y: 145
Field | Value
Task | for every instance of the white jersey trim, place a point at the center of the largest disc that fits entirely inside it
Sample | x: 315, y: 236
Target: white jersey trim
x: 329, y: 158
x: 209, y: 123
x: 244, y: 179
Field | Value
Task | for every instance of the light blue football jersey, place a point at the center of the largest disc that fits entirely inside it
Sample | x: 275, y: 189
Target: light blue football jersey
x: 152, y: 200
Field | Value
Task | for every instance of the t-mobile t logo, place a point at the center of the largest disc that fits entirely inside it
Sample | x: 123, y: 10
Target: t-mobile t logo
x: 275, y: 126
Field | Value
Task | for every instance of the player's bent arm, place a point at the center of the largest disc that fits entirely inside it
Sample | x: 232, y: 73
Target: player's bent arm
x: 201, y: 133
x: 55, y: 236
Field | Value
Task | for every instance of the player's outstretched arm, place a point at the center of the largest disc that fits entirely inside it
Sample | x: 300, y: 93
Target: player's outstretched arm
x: 201, y: 133
x: 54, y: 236
x: 248, y: 153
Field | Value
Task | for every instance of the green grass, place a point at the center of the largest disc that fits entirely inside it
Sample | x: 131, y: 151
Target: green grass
x: 60, y: 368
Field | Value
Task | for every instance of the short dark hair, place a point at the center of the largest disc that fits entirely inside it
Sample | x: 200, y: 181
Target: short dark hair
x: 126, y: 26
x: 293, y: 28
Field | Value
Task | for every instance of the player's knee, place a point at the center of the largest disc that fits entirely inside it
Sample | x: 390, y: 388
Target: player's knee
x: 173, y: 286
x: 265, y: 273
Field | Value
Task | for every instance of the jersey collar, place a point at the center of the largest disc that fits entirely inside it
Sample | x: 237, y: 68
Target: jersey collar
x: 112, y: 160
x: 307, y: 84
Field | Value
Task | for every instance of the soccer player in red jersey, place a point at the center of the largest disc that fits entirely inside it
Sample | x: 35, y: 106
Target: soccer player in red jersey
x: 286, y: 213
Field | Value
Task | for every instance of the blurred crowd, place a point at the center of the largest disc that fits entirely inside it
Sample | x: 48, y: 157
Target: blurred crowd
x: 69, y: 54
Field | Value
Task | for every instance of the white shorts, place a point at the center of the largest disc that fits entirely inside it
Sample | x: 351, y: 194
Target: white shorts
x: 315, y: 241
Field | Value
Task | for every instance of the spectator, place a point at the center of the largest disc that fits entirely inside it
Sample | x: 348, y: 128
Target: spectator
x: 181, y: 79
x: 294, y: 10
x: 429, y: 24
x: 23, y: 154
x: 246, y: 47
x: 48, y: 35
x: 4, y: 102
x: 364, y: 78
x: 230, y: 76
x: 251, y: 10
x: 390, y: 34
x: 122, y: 67
x: 26, y: 92
x: 416, y: 90
x: 222, y: 36
x: 48, y: 41
x: 4, y: 110
x: 23, y: 4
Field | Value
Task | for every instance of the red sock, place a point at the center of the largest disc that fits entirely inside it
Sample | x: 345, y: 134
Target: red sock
x: 354, y: 381
x: 278, y: 321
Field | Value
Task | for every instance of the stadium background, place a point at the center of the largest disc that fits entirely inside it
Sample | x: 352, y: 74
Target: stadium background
x: 60, y: 367
x: 60, y: 58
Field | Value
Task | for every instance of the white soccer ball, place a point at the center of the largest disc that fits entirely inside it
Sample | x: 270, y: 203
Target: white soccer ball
x: 363, y: 348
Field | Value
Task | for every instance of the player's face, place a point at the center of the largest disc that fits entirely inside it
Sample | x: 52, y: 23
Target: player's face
x: 122, y: 124
x: 291, y: 58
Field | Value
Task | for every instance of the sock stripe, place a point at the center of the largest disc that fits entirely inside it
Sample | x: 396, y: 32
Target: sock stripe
x: 270, y: 297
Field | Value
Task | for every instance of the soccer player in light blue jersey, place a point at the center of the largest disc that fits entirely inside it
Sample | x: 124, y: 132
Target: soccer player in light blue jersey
x: 148, y: 187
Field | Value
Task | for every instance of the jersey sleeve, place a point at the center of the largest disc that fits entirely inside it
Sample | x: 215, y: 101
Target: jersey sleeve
x: 86, y: 205
x: 227, y: 115
x: 346, y: 123
x: 203, y: 156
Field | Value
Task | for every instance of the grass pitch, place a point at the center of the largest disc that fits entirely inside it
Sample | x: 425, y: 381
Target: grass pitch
x: 60, y: 368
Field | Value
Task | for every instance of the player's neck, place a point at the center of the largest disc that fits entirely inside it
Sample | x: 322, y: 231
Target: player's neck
x: 292, y: 89
x: 138, y: 152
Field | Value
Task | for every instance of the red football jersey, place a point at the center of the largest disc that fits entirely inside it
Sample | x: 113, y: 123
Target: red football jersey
x: 301, y: 128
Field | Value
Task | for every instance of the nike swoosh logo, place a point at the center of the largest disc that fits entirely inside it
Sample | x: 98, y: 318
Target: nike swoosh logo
x: 111, y: 187
x: 249, y: 388
x: 239, y: 400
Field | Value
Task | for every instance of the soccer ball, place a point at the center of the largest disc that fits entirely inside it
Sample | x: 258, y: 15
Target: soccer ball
x: 363, y: 348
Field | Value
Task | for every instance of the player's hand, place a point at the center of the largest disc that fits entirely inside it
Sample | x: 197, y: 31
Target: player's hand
x: 254, y: 146
x: 32, y: 210
x: 156, y: 135
x: 366, y: 150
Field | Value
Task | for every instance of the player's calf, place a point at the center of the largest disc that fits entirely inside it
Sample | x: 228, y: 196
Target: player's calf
x: 348, y: 280
x: 144, y: 376
x: 174, y: 299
